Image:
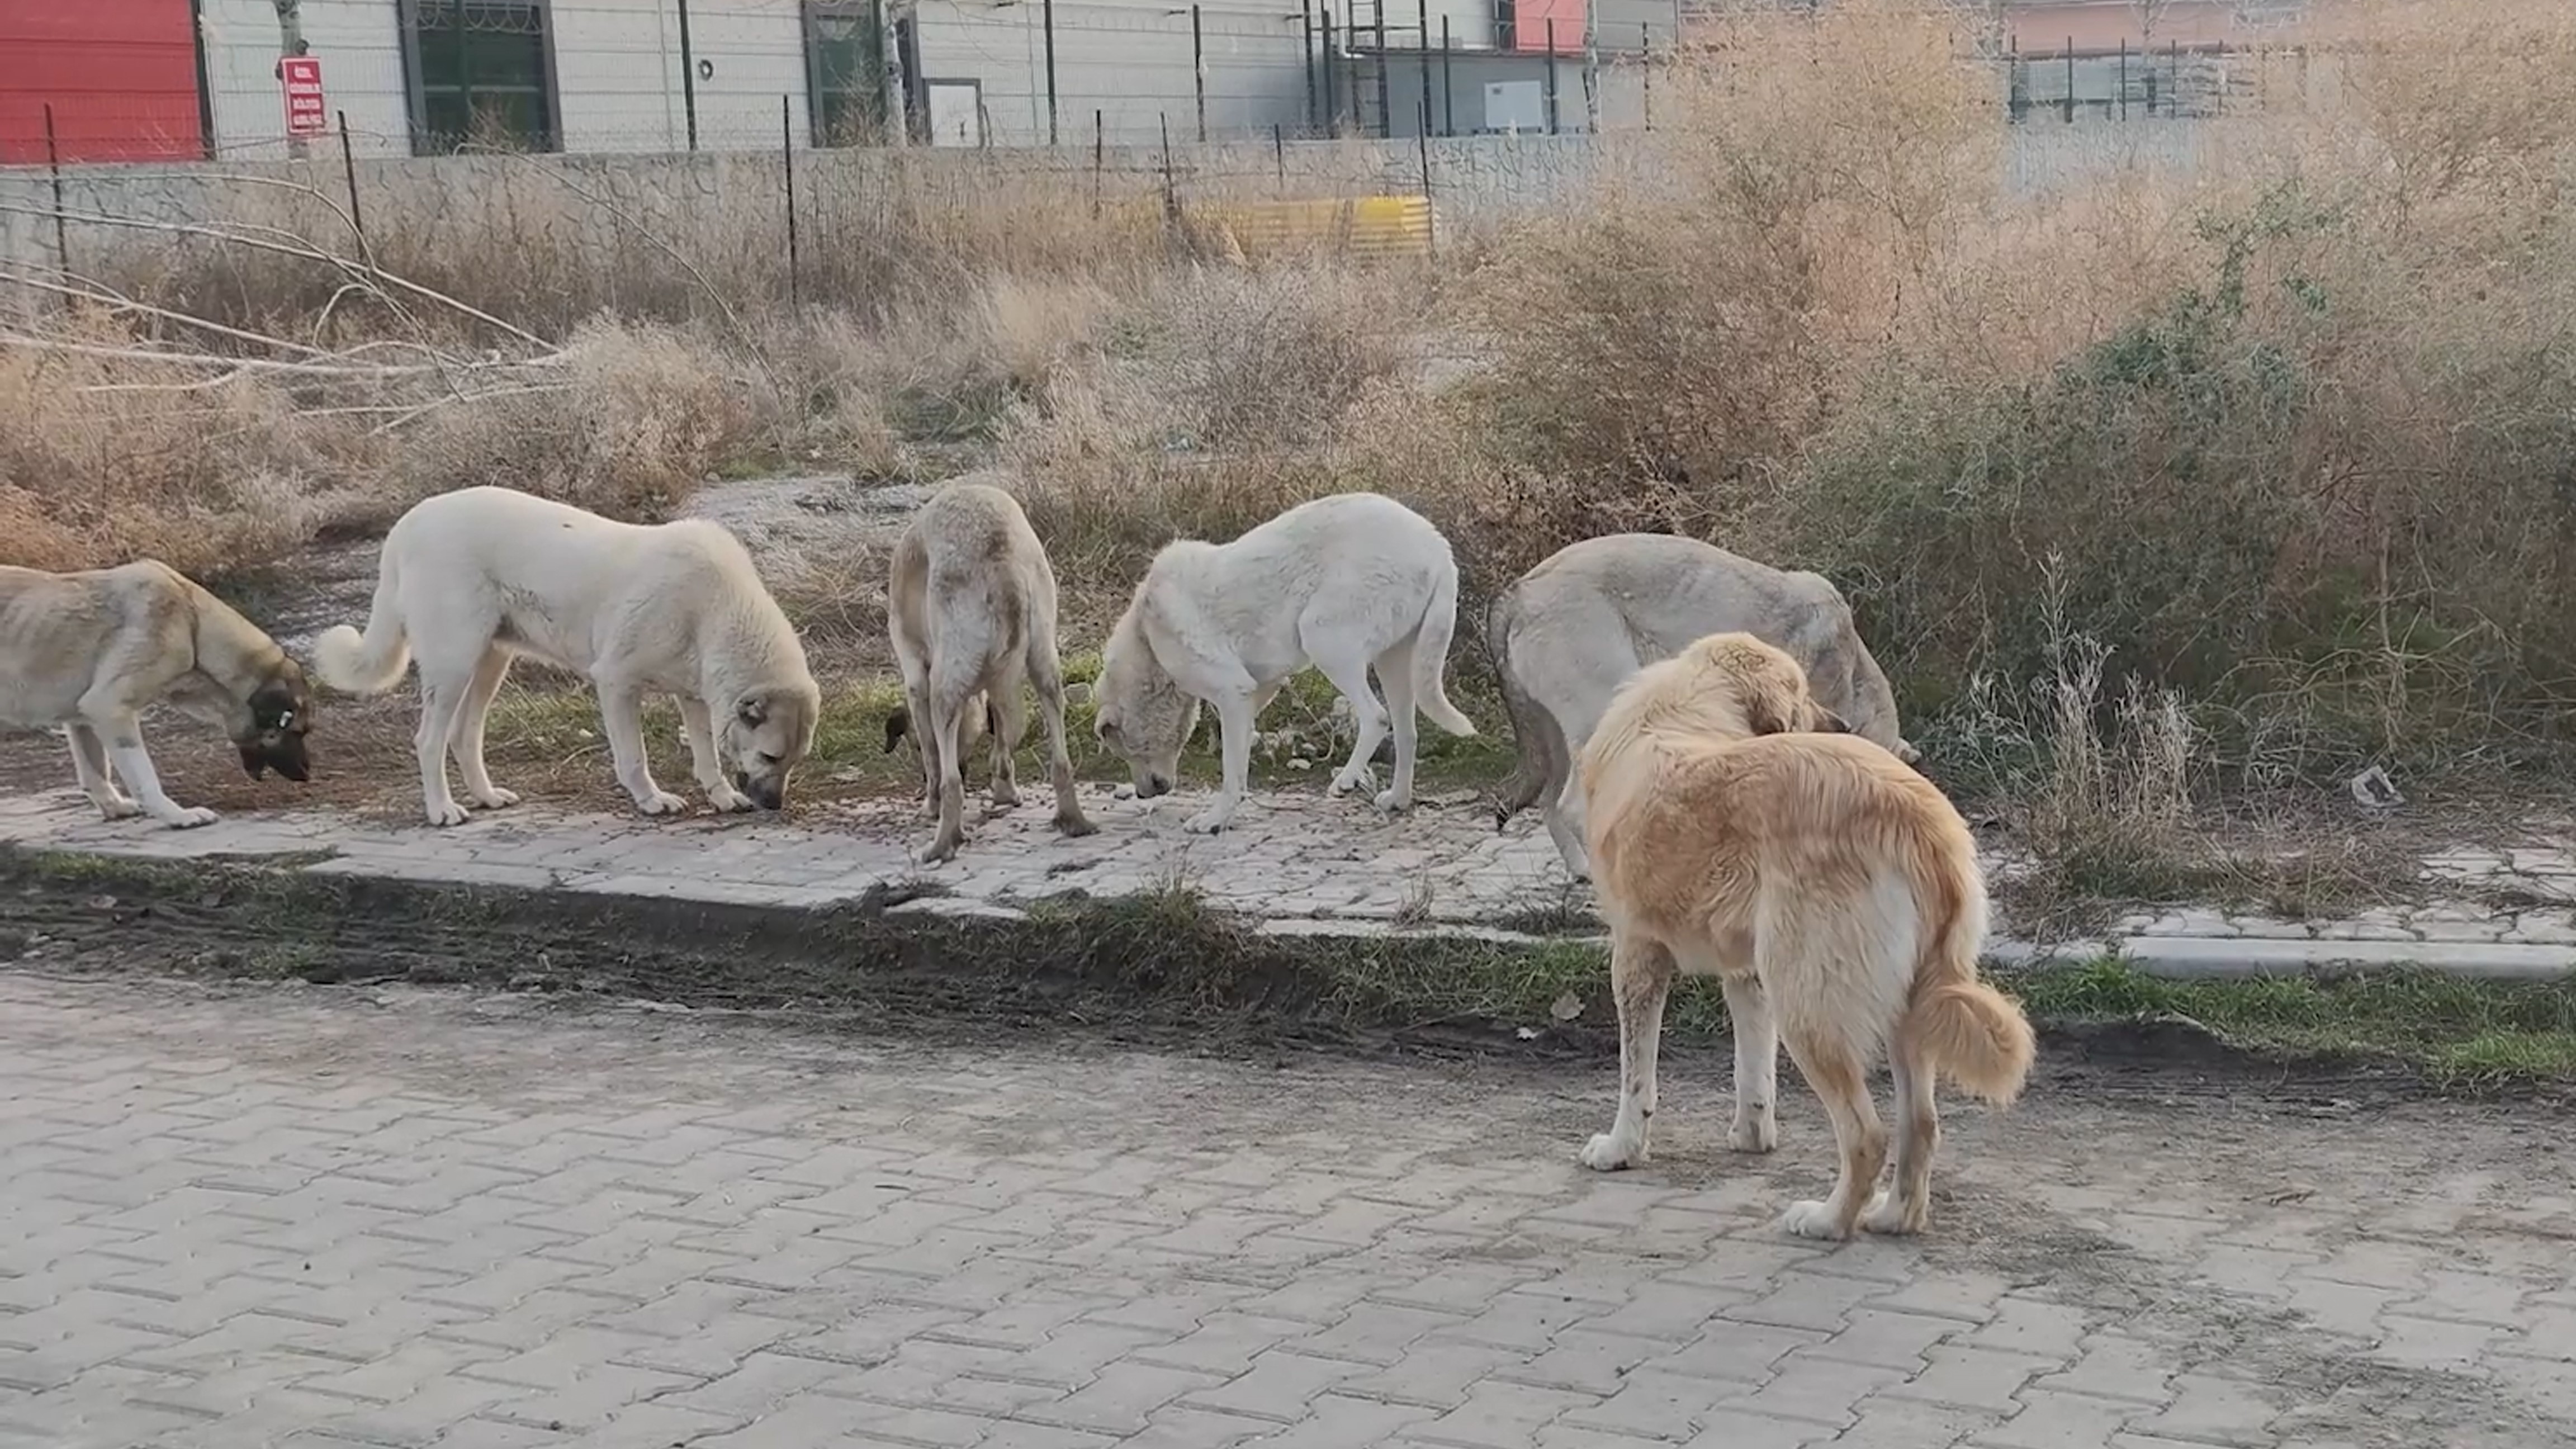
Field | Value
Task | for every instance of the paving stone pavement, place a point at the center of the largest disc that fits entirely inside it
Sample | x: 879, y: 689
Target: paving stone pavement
x: 311, y: 1218
x: 1296, y: 861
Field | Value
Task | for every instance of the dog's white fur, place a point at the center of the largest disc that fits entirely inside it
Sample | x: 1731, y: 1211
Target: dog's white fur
x: 1349, y: 583
x: 971, y: 614
x: 1569, y: 631
x: 474, y: 579
x: 1833, y: 891
x: 89, y: 652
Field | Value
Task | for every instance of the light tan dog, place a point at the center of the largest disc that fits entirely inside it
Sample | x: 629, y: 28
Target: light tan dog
x: 971, y: 614
x: 1568, y: 631
x: 90, y: 652
x: 1832, y: 890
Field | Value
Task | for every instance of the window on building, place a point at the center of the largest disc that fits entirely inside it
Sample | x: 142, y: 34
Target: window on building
x: 482, y: 76
x: 845, y: 64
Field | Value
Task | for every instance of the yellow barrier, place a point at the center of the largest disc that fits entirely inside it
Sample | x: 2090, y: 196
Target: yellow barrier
x: 1386, y: 226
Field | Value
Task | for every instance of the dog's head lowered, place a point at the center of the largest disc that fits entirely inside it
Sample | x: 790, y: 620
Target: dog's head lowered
x: 769, y: 733
x: 974, y: 724
x: 1722, y: 687
x: 268, y: 728
x: 1139, y: 711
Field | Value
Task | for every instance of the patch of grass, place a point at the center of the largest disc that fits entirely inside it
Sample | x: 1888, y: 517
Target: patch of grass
x: 1162, y: 955
x: 2456, y: 1030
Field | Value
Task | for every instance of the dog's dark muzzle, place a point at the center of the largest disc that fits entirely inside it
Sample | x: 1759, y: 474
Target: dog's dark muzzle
x: 767, y: 794
x: 283, y: 753
x: 1150, y: 786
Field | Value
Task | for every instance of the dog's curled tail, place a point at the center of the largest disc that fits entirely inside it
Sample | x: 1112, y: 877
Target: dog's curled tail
x: 1431, y: 653
x: 373, y: 662
x: 1972, y: 1032
x: 1534, y: 732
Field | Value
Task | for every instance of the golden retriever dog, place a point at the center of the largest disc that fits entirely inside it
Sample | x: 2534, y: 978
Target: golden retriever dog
x: 1736, y: 830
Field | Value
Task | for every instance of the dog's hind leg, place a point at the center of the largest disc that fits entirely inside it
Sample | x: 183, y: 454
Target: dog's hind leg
x: 621, y: 718
x: 1757, y: 1065
x: 89, y: 763
x: 123, y: 733
x: 1046, y: 675
x: 1349, y: 672
x: 1641, y: 978
x: 1907, y: 1207
x: 1841, y: 1081
x: 1395, y: 676
x: 946, y: 706
x: 1010, y: 720
x: 706, y: 763
x: 916, y: 703
x: 467, y: 742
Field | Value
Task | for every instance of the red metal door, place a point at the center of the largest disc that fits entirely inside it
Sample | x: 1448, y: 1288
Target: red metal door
x: 121, y: 76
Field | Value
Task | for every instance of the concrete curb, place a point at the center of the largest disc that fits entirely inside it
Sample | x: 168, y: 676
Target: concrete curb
x: 746, y: 863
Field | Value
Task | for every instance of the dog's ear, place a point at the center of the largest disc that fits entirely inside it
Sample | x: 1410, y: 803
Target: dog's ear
x: 1106, y: 731
x: 752, y: 711
x: 1770, y: 712
x: 1830, y: 723
x: 898, y: 724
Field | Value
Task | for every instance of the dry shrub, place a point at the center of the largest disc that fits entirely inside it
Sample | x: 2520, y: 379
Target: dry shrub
x: 107, y: 459
x: 645, y: 413
x: 1666, y: 352
x: 2299, y: 426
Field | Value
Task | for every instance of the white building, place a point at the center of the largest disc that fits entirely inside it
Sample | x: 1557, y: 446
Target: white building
x: 423, y: 76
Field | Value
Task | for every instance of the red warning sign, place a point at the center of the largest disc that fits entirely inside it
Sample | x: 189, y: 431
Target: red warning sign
x: 301, y: 76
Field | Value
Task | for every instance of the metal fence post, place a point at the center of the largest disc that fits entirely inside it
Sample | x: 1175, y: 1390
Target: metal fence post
x: 1198, y: 70
x: 349, y: 171
x: 1551, y: 75
x: 787, y: 158
x: 62, y: 227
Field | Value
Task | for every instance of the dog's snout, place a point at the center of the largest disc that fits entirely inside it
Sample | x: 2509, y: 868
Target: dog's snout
x: 1151, y: 786
x: 767, y: 794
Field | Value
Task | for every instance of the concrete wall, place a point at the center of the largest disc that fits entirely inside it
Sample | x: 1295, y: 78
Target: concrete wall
x: 1474, y: 181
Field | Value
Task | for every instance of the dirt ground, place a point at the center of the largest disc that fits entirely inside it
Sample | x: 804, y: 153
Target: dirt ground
x: 521, y: 1221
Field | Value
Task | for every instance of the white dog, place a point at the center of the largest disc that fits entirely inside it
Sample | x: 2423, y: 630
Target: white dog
x: 473, y: 579
x: 971, y: 613
x: 1347, y: 583
x: 1568, y: 632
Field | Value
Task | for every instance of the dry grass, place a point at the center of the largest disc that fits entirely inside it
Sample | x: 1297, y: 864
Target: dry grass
x: 2289, y: 436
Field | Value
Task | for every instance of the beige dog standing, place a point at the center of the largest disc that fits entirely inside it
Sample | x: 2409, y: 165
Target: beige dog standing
x: 89, y: 652
x: 971, y: 614
x: 474, y: 579
x: 1570, y: 630
x: 1833, y: 891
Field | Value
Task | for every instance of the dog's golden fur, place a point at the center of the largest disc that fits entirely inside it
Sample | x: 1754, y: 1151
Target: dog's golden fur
x: 1833, y: 891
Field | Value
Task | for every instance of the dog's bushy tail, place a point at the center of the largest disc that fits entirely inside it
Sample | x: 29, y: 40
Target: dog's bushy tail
x: 352, y: 663
x: 1536, y: 739
x: 1972, y: 1032
x: 1431, y: 654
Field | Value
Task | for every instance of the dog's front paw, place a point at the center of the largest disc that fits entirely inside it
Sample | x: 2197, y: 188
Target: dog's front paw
x: 1354, y: 778
x: 1754, y: 1133
x: 496, y: 798
x: 728, y: 799
x: 187, y: 817
x: 1207, y: 822
x: 1392, y: 803
x: 1075, y: 825
x: 1608, y: 1152
x: 1887, y: 1214
x: 117, y: 808
x: 444, y: 813
x: 661, y: 802
x: 937, y: 851
x: 1811, y: 1219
